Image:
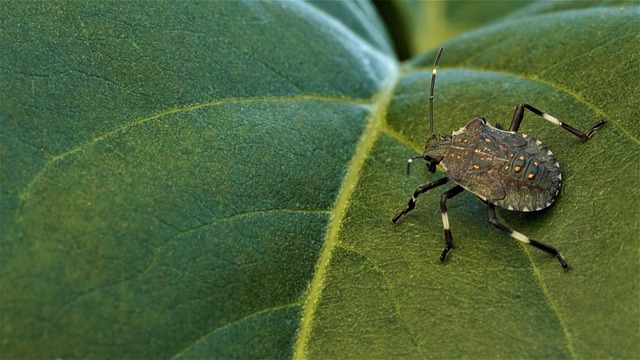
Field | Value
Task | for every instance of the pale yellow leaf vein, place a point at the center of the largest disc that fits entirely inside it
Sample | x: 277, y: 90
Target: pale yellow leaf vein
x: 367, y: 140
x: 27, y: 190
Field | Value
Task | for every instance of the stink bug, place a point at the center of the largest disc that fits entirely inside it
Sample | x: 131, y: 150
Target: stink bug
x: 502, y: 168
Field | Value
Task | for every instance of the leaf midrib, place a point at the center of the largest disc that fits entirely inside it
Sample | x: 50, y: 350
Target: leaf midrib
x: 377, y: 126
x: 380, y: 103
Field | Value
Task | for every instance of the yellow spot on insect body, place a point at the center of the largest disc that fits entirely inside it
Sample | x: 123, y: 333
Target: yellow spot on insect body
x: 506, y: 167
x: 535, y: 163
x: 487, y: 140
x: 476, y: 167
x: 517, y: 169
x: 521, y: 158
x: 531, y: 176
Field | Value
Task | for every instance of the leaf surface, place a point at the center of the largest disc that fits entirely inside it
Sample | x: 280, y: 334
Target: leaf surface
x: 387, y: 295
x: 217, y: 179
x: 168, y: 171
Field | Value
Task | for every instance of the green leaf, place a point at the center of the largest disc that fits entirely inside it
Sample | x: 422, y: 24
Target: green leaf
x: 169, y: 170
x: 386, y: 294
x: 217, y: 179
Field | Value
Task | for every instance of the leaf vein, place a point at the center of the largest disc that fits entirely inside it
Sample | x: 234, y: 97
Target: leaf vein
x: 393, y: 295
x: 369, y: 136
x: 27, y: 191
x: 233, y: 322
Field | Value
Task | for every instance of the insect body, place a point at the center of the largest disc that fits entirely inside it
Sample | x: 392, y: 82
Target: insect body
x: 503, y: 168
x: 514, y: 171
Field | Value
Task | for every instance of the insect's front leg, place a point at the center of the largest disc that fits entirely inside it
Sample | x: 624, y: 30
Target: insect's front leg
x: 445, y: 218
x: 422, y: 189
x: 431, y: 163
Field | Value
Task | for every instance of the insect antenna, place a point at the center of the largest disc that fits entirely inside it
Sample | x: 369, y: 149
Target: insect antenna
x: 433, y: 135
x: 433, y: 83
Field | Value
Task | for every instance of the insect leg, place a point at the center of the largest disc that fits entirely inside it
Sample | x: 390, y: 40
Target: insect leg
x: 493, y: 220
x: 422, y: 189
x: 445, y: 218
x: 519, y: 114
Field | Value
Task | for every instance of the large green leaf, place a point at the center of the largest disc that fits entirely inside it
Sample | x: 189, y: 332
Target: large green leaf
x: 493, y: 298
x: 217, y: 179
x: 169, y: 170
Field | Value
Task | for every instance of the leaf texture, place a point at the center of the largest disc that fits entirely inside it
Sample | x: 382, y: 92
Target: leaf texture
x: 217, y: 179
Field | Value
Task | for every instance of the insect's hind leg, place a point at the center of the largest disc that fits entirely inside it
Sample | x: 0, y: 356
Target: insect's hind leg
x: 421, y: 189
x: 493, y: 220
x: 519, y: 114
x: 445, y: 218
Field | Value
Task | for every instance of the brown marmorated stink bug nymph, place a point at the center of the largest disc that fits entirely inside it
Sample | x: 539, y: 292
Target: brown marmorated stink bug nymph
x: 502, y: 168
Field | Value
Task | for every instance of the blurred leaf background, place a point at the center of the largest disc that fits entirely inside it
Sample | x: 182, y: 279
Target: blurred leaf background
x: 216, y: 179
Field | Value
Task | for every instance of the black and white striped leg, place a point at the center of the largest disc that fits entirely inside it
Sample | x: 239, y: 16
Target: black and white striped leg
x: 422, y: 189
x: 519, y: 114
x: 493, y: 220
x: 445, y: 218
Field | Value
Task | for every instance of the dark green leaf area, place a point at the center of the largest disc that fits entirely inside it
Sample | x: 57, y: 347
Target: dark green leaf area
x: 168, y: 171
x: 72, y: 73
x: 485, y: 300
x: 267, y: 334
x: 171, y: 228
x: 230, y: 277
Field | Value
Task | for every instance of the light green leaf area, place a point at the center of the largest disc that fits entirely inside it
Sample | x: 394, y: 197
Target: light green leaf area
x: 217, y: 179
x: 386, y: 294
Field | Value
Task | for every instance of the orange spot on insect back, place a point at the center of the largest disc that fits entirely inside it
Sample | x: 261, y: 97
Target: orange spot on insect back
x: 531, y: 176
x: 517, y: 168
x: 521, y: 158
x: 476, y: 167
x: 487, y: 140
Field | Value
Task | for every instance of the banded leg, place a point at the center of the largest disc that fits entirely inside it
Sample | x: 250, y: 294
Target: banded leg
x: 422, y: 189
x: 493, y: 220
x: 519, y: 114
x: 445, y: 218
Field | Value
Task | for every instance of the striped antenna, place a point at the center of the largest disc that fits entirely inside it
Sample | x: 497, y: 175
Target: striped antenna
x: 433, y: 83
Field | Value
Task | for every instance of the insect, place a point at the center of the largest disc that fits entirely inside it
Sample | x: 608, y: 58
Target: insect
x: 502, y: 168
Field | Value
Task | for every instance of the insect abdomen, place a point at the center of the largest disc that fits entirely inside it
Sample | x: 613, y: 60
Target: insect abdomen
x: 531, y: 178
